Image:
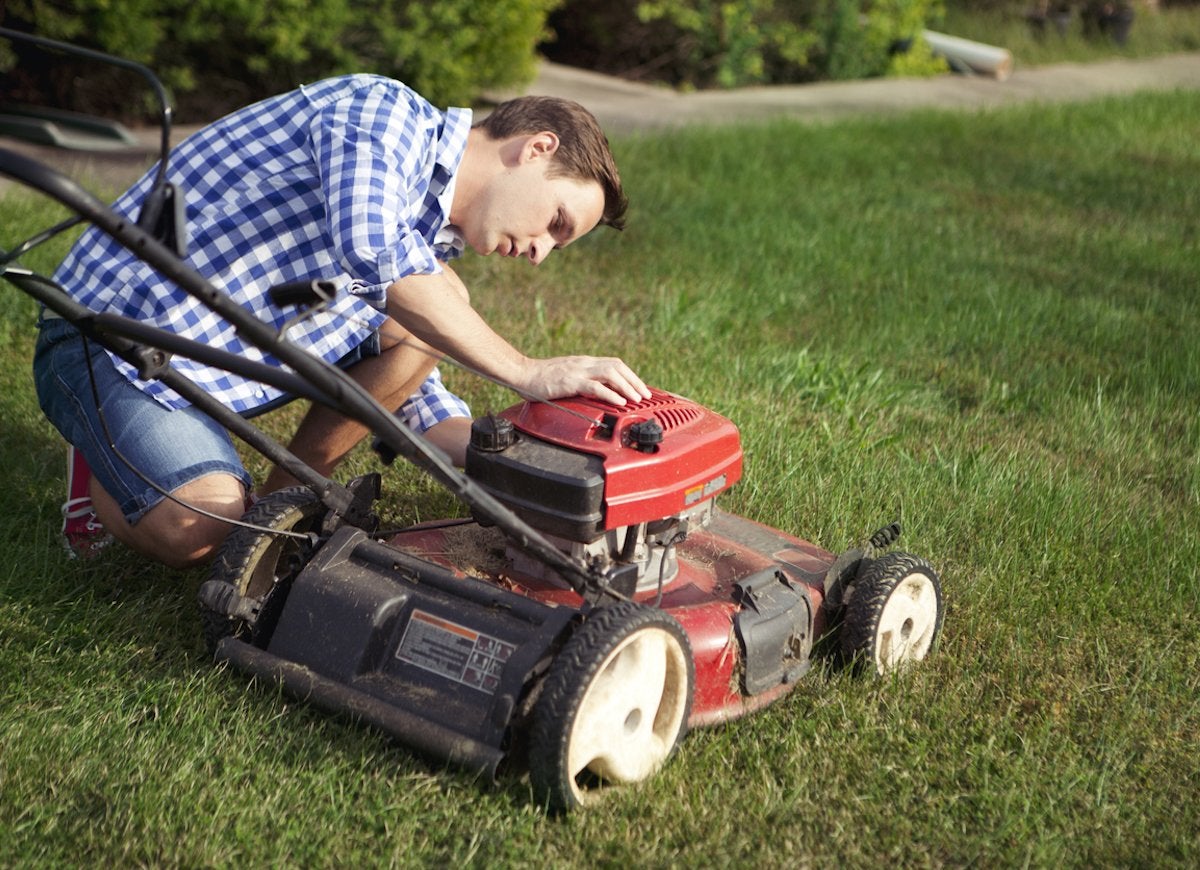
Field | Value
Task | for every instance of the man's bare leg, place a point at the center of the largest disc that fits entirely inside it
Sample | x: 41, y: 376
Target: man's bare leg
x: 324, y: 437
x: 452, y: 436
x: 172, y: 533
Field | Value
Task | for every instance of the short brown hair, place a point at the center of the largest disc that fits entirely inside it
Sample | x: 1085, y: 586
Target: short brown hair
x: 583, y: 151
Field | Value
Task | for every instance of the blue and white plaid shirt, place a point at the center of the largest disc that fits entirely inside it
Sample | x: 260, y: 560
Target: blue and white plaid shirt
x: 349, y: 179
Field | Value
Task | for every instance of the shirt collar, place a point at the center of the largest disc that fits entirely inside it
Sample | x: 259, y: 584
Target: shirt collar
x: 450, y: 149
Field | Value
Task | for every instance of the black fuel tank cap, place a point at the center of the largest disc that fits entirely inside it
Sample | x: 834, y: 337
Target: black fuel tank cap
x: 492, y: 434
x: 646, y: 435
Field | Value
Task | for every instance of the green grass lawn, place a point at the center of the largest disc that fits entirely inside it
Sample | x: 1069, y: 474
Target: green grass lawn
x: 983, y: 325
x: 1153, y: 32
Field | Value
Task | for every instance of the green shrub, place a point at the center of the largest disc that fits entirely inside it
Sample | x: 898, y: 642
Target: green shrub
x: 219, y: 54
x: 727, y: 43
x: 451, y: 49
x: 869, y: 38
x: 731, y: 44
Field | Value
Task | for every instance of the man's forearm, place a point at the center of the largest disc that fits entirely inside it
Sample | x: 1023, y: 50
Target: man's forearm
x: 437, y: 310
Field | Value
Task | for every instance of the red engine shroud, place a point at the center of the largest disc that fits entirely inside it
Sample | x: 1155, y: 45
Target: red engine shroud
x: 700, y: 454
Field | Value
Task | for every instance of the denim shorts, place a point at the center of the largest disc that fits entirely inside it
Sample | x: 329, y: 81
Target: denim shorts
x: 170, y: 447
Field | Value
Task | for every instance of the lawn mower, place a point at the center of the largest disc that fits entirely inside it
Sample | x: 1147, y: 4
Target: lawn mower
x: 594, y: 606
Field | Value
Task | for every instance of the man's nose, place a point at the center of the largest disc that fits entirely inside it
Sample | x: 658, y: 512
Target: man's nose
x: 540, y: 248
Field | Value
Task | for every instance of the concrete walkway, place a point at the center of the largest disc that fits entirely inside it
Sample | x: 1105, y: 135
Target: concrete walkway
x: 624, y: 107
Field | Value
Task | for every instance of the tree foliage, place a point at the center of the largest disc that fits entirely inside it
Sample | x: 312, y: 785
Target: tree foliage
x: 728, y: 43
x: 218, y: 54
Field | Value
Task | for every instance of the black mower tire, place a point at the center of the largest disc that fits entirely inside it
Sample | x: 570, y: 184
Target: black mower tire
x: 894, y: 615
x: 254, y: 562
x: 614, y: 706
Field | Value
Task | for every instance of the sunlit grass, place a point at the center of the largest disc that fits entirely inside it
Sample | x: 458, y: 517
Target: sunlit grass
x: 980, y: 325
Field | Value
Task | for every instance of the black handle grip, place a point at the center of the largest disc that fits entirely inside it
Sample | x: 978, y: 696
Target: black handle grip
x: 307, y: 292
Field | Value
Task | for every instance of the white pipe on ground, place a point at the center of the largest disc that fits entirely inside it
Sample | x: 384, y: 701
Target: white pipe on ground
x: 983, y: 59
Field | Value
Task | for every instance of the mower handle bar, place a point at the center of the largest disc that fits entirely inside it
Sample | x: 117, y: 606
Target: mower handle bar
x: 160, y: 92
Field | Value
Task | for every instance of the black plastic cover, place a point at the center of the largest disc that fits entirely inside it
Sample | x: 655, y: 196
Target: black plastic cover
x: 774, y: 626
x: 554, y: 489
x: 438, y: 660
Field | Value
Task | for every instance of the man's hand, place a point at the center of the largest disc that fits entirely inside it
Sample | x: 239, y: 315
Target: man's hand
x: 436, y: 309
x: 605, y: 378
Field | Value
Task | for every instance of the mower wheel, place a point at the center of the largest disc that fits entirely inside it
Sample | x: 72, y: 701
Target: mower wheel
x: 894, y: 614
x: 255, y: 562
x: 614, y: 705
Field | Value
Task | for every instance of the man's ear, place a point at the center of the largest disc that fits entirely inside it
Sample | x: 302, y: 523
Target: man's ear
x: 543, y: 144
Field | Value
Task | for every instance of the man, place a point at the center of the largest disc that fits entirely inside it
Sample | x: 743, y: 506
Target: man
x: 357, y: 180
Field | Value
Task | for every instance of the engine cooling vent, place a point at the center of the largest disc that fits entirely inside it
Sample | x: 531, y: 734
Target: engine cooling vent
x: 674, y: 417
x: 668, y: 410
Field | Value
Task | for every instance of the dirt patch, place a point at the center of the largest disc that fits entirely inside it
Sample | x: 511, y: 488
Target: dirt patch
x: 473, y: 550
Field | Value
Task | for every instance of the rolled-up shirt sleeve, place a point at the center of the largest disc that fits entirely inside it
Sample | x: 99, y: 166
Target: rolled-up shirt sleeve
x: 431, y: 404
x: 370, y: 150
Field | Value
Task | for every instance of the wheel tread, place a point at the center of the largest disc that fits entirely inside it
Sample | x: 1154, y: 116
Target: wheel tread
x: 283, y: 509
x: 871, y: 594
x: 570, y: 675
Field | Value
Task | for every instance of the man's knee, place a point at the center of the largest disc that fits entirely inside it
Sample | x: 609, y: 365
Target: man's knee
x: 188, y: 540
x: 173, y: 531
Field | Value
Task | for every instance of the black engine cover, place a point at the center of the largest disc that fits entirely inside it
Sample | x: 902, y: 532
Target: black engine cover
x: 554, y: 489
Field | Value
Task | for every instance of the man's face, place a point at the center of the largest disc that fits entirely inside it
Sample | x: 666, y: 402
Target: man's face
x: 525, y: 213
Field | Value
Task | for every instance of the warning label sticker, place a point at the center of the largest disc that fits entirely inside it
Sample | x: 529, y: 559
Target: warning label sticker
x: 696, y: 493
x: 454, y: 651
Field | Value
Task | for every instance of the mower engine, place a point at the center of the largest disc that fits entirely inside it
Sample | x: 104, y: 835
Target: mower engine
x: 610, y: 486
